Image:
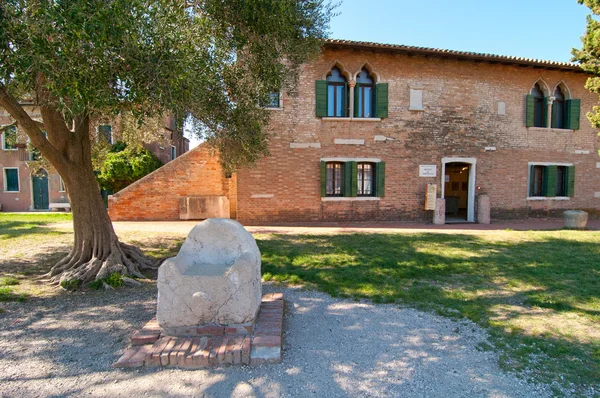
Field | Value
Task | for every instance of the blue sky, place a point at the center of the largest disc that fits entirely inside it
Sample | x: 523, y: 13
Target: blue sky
x: 542, y: 29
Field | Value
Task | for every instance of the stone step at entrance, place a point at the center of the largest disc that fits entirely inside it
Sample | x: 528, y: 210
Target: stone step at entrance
x: 211, y: 345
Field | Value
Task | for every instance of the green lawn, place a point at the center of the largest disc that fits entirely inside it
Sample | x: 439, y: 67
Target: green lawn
x: 538, y: 293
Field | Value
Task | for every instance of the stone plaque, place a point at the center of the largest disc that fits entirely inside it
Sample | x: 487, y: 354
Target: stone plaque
x: 430, y: 196
x: 427, y: 170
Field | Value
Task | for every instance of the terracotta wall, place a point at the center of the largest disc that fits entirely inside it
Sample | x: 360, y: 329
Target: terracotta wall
x: 156, y: 196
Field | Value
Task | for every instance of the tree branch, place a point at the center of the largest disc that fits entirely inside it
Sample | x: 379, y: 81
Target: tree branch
x: 31, y: 127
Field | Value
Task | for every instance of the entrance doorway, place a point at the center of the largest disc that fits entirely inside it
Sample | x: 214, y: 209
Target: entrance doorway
x: 40, y: 190
x: 458, y: 188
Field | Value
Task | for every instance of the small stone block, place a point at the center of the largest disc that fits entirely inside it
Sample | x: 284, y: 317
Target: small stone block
x: 141, y: 337
x: 246, y: 351
x: 261, y: 354
x: 123, y: 361
x: 229, y: 351
x: 222, y: 350
x: 188, y: 359
x: 266, y: 341
x: 183, y: 351
x: 152, y: 326
x: 139, y: 358
x: 175, y: 351
x: 164, y: 355
x: 237, y: 350
x: 214, y: 351
x: 200, y: 356
x: 157, y: 348
x: 272, y: 297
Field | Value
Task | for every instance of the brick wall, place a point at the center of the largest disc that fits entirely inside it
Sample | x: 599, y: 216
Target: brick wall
x: 460, y: 119
x: 157, y: 195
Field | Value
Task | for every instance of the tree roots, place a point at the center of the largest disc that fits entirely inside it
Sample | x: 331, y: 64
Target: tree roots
x: 80, y: 269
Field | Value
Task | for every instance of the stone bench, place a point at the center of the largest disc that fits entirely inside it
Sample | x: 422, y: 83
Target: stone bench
x: 59, y: 206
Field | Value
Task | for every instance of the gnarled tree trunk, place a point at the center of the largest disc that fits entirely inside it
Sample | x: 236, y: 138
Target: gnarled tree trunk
x: 97, y: 252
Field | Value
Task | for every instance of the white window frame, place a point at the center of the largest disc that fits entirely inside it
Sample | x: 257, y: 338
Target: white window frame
x: 529, y: 164
x: 4, y: 148
x: 5, y: 188
x: 61, y: 185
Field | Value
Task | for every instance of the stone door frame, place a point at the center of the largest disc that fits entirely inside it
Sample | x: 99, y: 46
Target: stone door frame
x: 472, y: 174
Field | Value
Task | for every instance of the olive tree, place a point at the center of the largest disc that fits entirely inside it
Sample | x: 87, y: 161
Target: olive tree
x: 215, y: 60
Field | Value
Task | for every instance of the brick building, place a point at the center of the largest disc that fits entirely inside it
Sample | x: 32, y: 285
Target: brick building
x: 370, y: 126
x: 20, y: 190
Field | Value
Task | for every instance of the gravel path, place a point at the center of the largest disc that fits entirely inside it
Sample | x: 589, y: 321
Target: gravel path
x: 64, y: 346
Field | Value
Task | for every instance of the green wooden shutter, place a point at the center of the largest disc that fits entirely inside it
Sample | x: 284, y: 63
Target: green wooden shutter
x: 321, y: 97
x: 323, y: 179
x: 380, y: 176
x: 571, y: 181
x: 573, y: 110
x: 529, y: 111
x: 381, y: 100
x: 531, y: 180
x: 550, y: 181
x: 545, y: 112
x: 356, y: 91
x: 354, y: 183
x: 545, y: 181
x: 12, y: 180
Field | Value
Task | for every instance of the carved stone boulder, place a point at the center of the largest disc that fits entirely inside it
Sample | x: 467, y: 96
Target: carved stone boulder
x: 215, y: 279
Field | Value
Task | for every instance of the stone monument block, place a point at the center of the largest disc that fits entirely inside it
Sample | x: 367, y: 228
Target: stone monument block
x: 215, y: 279
x: 575, y: 219
x: 439, y: 215
x: 483, y: 209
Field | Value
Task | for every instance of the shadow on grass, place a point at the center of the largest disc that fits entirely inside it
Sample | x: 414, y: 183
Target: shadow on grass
x: 468, y: 276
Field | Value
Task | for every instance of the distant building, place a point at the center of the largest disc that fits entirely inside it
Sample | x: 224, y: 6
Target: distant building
x: 20, y: 190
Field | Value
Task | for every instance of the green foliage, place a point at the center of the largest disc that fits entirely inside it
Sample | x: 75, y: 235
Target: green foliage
x: 114, y: 280
x: 124, y: 167
x: 9, y: 281
x: 212, y: 59
x: 71, y: 284
x: 589, y: 55
x: 7, y: 294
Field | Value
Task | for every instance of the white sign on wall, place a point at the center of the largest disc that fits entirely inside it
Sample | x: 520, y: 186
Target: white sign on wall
x: 427, y: 170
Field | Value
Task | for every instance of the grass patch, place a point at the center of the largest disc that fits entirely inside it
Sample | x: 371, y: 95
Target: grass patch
x: 538, y: 293
x: 7, y: 294
x: 9, y: 281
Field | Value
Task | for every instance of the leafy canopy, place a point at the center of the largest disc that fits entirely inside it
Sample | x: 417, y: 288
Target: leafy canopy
x: 589, y: 55
x: 212, y: 59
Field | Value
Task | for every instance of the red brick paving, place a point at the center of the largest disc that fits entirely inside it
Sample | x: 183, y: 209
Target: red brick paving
x: 217, y: 346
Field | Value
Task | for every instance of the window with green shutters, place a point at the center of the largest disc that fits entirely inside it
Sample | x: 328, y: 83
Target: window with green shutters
x: 332, y: 96
x: 565, y: 113
x: 551, y: 181
x: 352, y: 179
x: 11, y: 180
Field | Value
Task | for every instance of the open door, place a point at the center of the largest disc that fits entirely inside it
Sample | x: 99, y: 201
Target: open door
x: 458, y: 188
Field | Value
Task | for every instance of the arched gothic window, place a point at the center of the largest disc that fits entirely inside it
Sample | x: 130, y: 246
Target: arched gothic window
x: 337, y: 94
x: 539, y: 103
x: 363, y: 95
x: 558, y: 109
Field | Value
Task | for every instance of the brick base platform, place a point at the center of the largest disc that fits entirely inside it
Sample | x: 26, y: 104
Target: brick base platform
x: 211, y: 345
